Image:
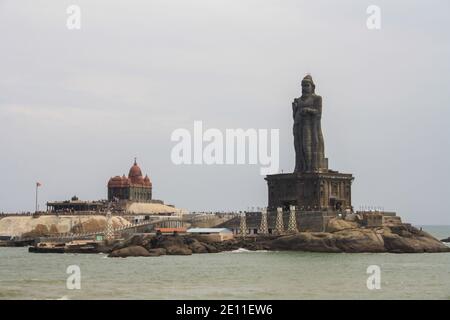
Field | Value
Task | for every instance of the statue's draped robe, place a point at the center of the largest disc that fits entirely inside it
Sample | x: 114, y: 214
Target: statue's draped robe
x: 308, y: 138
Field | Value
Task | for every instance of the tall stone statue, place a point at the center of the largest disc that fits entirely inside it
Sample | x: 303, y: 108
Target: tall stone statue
x: 312, y: 186
x: 308, y: 138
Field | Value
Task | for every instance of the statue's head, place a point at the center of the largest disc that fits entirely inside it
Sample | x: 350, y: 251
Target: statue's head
x: 308, y: 86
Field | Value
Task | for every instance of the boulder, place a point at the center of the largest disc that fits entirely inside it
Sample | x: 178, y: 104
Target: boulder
x: 336, y: 224
x: 179, y: 251
x: 306, y: 241
x: 210, y: 248
x: 198, y: 247
x: 359, y: 240
x: 446, y: 240
x: 174, y: 244
x: 157, y: 252
x: 407, y: 239
x: 134, y: 240
x: 167, y: 241
x: 133, y: 251
x: 41, y: 230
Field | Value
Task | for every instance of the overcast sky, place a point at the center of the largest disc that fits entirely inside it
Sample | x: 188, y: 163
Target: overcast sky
x: 76, y: 106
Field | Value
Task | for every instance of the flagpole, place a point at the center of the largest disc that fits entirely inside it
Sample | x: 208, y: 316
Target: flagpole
x: 36, y: 197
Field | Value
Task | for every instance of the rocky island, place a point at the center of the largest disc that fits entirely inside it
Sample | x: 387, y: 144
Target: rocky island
x: 340, y: 236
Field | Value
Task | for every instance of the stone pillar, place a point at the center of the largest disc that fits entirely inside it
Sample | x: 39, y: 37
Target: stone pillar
x: 279, y: 225
x: 243, y: 225
x: 264, y: 228
x: 109, y: 232
x: 292, y: 227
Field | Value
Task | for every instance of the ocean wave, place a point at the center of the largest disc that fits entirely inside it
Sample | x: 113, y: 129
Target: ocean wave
x: 242, y: 250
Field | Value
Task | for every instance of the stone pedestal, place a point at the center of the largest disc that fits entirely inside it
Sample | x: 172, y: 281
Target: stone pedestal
x: 310, y: 191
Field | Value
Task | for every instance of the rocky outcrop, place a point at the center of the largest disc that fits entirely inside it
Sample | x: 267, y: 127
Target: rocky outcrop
x: 334, y: 225
x: 174, y: 245
x: 135, y: 240
x: 210, y: 248
x: 47, y: 225
x: 200, y: 247
x: 165, y: 244
x: 179, y: 251
x: 40, y: 230
x: 197, y: 247
x: 341, y: 236
x: 446, y: 240
x: 407, y: 239
x: 132, y: 251
x: 398, y: 239
x: 341, y: 241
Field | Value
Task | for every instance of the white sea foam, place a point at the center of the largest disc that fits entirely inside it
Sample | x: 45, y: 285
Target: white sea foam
x: 241, y: 250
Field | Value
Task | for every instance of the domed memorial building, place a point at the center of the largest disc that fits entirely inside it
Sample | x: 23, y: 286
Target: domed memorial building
x: 133, y: 195
x: 130, y: 195
x: 135, y: 187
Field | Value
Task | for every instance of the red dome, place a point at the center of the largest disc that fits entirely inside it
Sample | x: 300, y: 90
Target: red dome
x: 135, y: 177
x: 147, y: 181
x: 125, y: 181
x: 115, y: 182
x: 135, y: 173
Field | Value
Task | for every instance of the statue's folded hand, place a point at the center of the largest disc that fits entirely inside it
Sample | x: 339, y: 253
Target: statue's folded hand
x: 310, y: 110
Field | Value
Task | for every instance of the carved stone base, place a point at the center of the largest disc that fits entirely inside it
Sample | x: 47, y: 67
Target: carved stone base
x: 330, y: 190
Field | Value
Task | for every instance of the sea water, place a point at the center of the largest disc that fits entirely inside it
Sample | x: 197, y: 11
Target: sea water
x: 228, y: 275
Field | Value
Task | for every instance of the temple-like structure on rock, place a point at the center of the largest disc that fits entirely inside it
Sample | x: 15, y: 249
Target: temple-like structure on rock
x: 312, y: 186
x: 135, y: 187
x: 130, y: 195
